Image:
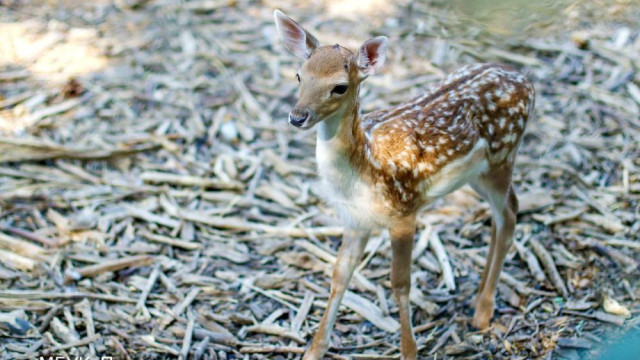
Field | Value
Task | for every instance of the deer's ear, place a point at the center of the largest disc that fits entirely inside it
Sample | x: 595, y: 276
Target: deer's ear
x: 296, y: 39
x: 372, y: 54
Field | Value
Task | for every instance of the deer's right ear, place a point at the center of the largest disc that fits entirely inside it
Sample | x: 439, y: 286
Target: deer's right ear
x: 296, y: 39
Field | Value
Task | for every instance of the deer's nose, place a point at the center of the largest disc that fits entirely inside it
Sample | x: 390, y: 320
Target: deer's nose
x: 297, y: 118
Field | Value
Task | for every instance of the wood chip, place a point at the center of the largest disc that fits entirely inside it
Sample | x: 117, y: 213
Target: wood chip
x: 369, y: 311
x: 547, y: 262
x: 109, y: 265
x: 443, y: 259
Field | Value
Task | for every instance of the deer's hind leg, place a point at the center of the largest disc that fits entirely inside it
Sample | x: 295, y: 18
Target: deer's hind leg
x: 492, y: 244
x: 496, y: 187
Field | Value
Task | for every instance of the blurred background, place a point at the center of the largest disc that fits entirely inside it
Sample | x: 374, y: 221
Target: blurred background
x: 155, y: 204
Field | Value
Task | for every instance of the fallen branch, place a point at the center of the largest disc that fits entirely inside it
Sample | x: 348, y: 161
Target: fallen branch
x: 277, y: 331
x: 110, y: 265
x: 532, y: 262
x: 157, y: 177
x: 187, y: 245
x: 26, y: 294
x: 443, y: 260
x: 547, y: 262
x: 82, y: 342
x: 15, y: 261
x: 272, y: 350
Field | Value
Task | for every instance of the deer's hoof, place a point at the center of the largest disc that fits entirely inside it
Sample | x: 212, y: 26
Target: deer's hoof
x: 481, y: 322
x: 409, y: 350
x: 484, y: 313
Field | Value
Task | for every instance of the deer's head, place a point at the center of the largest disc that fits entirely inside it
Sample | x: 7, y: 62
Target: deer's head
x: 330, y: 75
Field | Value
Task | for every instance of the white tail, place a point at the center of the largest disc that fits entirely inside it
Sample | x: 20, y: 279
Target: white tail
x: 380, y: 168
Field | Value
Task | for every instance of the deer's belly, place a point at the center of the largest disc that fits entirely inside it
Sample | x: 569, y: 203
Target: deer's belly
x: 457, y: 173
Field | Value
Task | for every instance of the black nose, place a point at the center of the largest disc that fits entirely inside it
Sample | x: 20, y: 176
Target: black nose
x: 297, y: 118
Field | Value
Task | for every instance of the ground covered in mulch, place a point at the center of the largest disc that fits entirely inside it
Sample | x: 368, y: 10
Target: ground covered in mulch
x: 154, y: 203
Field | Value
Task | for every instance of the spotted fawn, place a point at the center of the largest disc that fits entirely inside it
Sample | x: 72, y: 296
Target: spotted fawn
x: 379, y: 169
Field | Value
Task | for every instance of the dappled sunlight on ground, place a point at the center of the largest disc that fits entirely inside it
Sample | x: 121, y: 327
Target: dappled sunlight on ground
x: 354, y: 9
x: 54, y: 54
x: 50, y: 55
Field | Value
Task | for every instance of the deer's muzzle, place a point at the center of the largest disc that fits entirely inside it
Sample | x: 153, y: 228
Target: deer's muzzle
x: 297, y: 118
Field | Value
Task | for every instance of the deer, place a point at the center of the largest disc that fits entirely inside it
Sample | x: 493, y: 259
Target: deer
x: 379, y: 169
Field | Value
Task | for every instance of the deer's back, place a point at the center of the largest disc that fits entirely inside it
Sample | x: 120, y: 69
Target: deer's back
x: 478, y: 113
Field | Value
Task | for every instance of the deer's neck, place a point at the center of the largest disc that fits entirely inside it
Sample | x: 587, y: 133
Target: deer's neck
x: 340, y: 147
x: 337, y: 128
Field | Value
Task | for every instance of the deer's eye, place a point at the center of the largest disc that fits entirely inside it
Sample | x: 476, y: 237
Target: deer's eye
x: 339, y: 89
x: 298, y: 77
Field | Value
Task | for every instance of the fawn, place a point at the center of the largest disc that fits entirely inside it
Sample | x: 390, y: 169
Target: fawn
x: 380, y: 168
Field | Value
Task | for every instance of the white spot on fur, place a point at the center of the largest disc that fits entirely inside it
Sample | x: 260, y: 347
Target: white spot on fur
x: 392, y: 166
x: 425, y: 166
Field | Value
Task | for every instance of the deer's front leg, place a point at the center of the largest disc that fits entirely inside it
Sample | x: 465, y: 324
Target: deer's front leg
x: 402, y: 232
x: 353, y: 244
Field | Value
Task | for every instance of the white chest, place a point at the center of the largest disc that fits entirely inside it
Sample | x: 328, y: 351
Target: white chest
x: 342, y: 186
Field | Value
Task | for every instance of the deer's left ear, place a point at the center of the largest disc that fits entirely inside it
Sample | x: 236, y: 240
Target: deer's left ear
x: 372, y: 54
